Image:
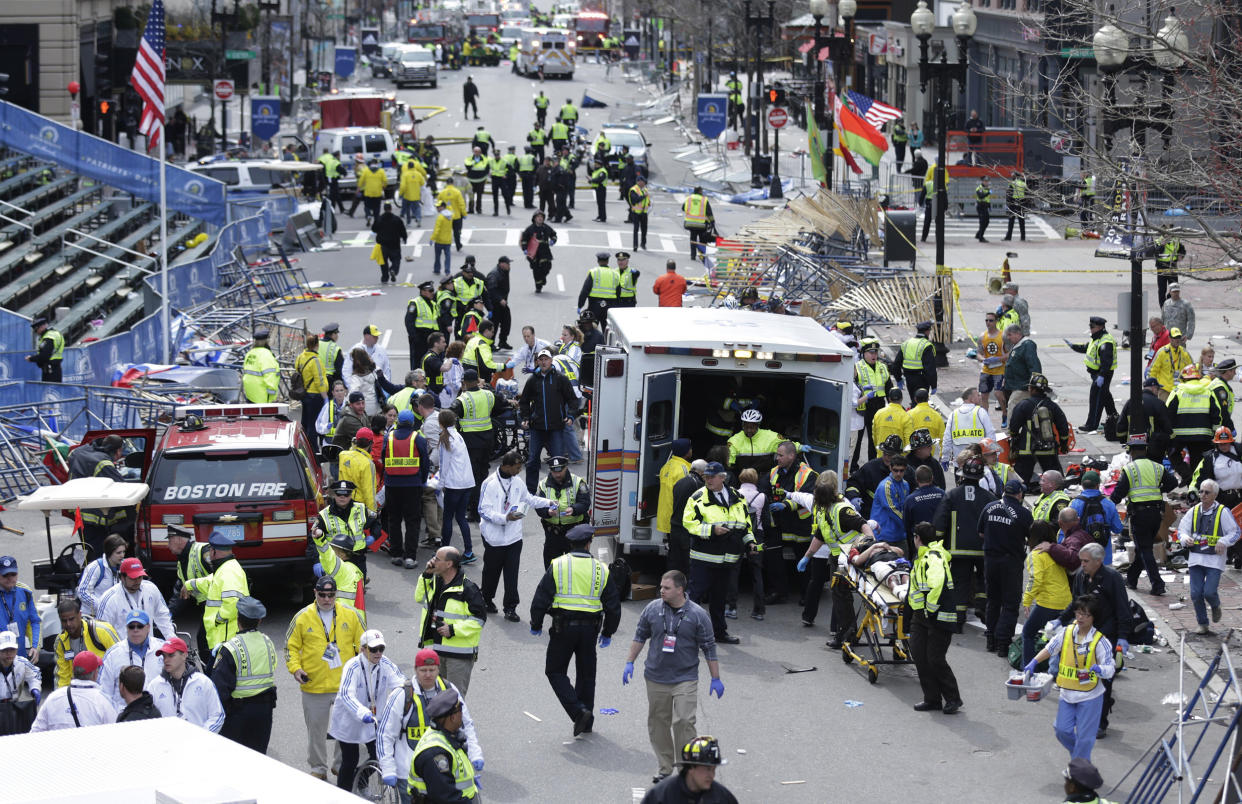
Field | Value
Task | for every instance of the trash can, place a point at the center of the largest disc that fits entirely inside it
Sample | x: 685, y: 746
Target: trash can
x: 899, y: 228
x: 1123, y: 311
x: 760, y: 169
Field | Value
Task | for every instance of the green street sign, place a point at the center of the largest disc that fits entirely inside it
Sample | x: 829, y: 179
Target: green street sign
x: 240, y: 55
x: 1077, y: 53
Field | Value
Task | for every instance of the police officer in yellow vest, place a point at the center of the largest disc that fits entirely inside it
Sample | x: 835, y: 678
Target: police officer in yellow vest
x: 421, y: 320
x: 344, y: 514
x: 335, y: 563
x: 1218, y: 377
x: 477, y: 168
x: 719, y: 522
x: 569, y: 113
x: 332, y: 173
x: 915, y: 366
x: 221, y: 591
x: 576, y: 591
x: 51, y: 350
x: 733, y: 88
x: 599, y: 180
x: 542, y: 102
x: 873, y: 381
x: 1086, y: 199
x: 526, y: 165
x: 1196, y: 413
x: 640, y: 205
x: 1101, y: 362
x: 1143, y: 482
x: 627, y: 281
x: 499, y: 169
x: 193, y: 562
x: 330, y: 355
x: 244, y: 675
x: 698, y: 220
x: 599, y: 289
x: 260, y: 371
x: 983, y: 207
x: 573, y: 499
x: 1169, y: 251
x: 442, y: 771
x: 1015, y: 205
x: 483, y: 141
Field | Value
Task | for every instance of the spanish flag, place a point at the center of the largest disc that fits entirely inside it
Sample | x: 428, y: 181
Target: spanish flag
x: 859, y: 136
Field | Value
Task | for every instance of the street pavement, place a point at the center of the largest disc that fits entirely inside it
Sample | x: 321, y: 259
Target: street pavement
x: 825, y: 734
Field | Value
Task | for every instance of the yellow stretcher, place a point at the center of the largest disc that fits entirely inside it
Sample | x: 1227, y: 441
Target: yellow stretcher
x: 880, y: 623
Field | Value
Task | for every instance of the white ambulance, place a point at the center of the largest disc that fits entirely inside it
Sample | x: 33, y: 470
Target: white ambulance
x: 549, y: 48
x: 661, y: 372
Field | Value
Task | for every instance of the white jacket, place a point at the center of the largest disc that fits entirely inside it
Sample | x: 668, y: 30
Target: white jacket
x: 199, y: 702
x: 97, y: 578
x: 454, y: 462
x: 364, y: 689
x: 524, y: 357
x: 431, y: 432
x: 93, y: 707
x: 379, y: 356
x: 452, y: 371
x: 496, y: 496
x: 392, y: 747
x: 965, y: 414
x: 116, y: 603
x: 122, y: 655
x: 365, y: 383
x: 24, y: 678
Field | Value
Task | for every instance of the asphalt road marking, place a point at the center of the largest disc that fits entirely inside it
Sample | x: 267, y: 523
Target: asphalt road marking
x: 614, y: 240
x: 560, y: 283
x: 666, y: 243
x: 512, y: 236
x: 387, y: 335
x: 409, y: 277
x: 1043, y: 226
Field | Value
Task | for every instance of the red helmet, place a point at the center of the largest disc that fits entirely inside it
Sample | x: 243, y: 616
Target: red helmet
x: 1223, y: 436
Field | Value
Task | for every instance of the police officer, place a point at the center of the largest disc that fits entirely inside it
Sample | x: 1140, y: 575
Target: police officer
x: 558, y: 133
x: 345, y: 515
x: 1218, y: 383
x: 573, y: 499
x: 420, y: 321
x: 500, y: 168
x: 541, y: 111
x: 476, y: 167
x: 873, y: 381
x: 1004, y: 524
x: 221, y: 590
x: 1101, y: 362
x: 915, y: 366
x: 244, y: 675
x: 983, y: 205
x: 330, y: 355
x: 957, y: 524
x: 51, y: 350
x: 599, y: 289
x: 1052, y: 499
x: 627, y: 281
x: 640, y: 205
x: 193, y: 562
x: 576, y: 591
x: 737, y: 104
x: 1015, y: 205
x: 599, y: 180
x: 569, y: 113
x: 1170, y: 250
x: 332, y: 173
x: 1152, y: 420
x: 526, y: 164
x: 482, y: 140
x: 476, y: 408
x: 98, y: 460
x: 720, y: 527
x: 932, y: 597
x: 698, y: 220
x: 442, y: 772
x: 260, y: 371
x: 1143, y: 483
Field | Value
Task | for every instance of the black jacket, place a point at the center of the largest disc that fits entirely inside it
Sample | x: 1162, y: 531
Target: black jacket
x: 682, y: 490
x: 931, y: 463
x: 389, y: 230
x: 957, y: 518
x: 673, y: 790
x: 1155, y: 421
x: 863, y: 482
x: 497, y: 287
x: 469, y: 90
x: 541, y: 603
x: 545, y: 234
x: 1004, y: 526
x: 141, y: 708
x: 469, y: 594
x: 1106, y: 356
x: 1024, y: 435
x: 546, y: 400
x: 1110, y: 588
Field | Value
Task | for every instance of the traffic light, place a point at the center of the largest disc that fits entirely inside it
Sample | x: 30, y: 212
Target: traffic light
x: 103, y: 75
x: 105, y: 108
x: 776, y: 96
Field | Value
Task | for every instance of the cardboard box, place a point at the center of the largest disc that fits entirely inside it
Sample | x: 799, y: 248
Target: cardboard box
x: 644, y: 591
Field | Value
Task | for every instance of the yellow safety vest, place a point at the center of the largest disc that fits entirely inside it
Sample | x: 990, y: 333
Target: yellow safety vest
x: 328, y: 350
x: 1068, y: 666
x: 1206, y: 538
x: 541, y: 101
x: 644, y: 200
x: 625, y: 284
x: 564, y: 498
x: 353, y: 526
x: 828, y: 526
x: 476, y: 408
x: 969, y: 433
x: 580, y: 581
x: 1194, y: 408
x: 604, y: 282
x: 569, y: 112
x: 254, y: 657
x: 560, y: 131
x: 1018, y: 189
x: 1144, y: 476
x: 695, y: 210
x: 424, y: 314
x: 463, y: 771
x: 58, y: 343
x: 912, y: 353
x: 1093, y: 351
x: 499, y: 167
x: 413, y: 733
x: 1045, y: 504
x: 869, y: 378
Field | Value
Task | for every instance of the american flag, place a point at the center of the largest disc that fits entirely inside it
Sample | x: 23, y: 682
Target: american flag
x: 148, y: 77
x: 875, y: 112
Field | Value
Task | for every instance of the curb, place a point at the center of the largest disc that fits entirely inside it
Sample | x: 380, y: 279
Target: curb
x: 1187, y: 657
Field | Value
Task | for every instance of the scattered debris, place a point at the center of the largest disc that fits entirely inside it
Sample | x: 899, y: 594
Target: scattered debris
x: 789, y: 669
x: 532, y: 717
x: 608, y: 711
x: 853, y: 704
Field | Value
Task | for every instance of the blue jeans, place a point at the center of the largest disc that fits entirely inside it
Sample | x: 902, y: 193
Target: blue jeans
x: 455, y: 506
x: 1203, y: 584
x: 573, y: 450
x: 551, y: 440
x: 446, y: 250
x: 1077, y: 724
x: 1035, y: 622
x: 412, y: 210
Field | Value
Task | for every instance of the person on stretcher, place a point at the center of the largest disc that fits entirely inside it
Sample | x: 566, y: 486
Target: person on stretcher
x: 884, y: 560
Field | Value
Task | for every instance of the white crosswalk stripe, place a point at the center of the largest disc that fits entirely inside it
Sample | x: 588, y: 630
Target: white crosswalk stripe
x: 595, y: 239
x: 1036, y: 228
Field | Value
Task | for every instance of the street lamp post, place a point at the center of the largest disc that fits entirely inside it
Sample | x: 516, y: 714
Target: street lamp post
x: 839, y: 49
x: 758, y: 23
x: 923, y: 22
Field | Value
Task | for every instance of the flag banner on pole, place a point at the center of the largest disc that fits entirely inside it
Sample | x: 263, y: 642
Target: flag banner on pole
x: 815, y: 146
x: 148, y: 76
x: 875, y: 112
x: 859, y: 136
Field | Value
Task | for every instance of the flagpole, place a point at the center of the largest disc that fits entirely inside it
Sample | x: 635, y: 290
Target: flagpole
x: 165, y: 323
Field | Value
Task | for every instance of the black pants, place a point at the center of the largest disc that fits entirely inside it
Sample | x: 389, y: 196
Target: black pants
x: 498, y: 559
x: 404, y: 508
x: 510, y: 187
x: 470, y: 103
x: 392, y: 261
x: 679, y: 552
x: 873, y: 406
x: 334, y: 195
x: 985, y: 216
x: 640, y: 225
x: 560, y: 205
x: 1166, y: 274
x: 601, y: 193
x: 94, y: 536
x: 456, y: 235
x: 774, y: 562
x: 475, y: 201
x: 349, y: 763
x: 503, y: 317
x: 499, y: 183
x: 929, y: 646
x: 540, y: 267
x: 1024, y: 465
x: 709, y: 583
x: 575, y: 642
x: 554, y: 542
x: 311, y: 405
x: 1100, y: 401
x: 528, y: 190
x: 1004, y: 586
x: 914, y: 381
x: 248, y: 721
x: 1194, y: 452
x: 479, y: 460
x: 754, y: 565
x: 698, y: 242
x: 418, y: 348
x: 928, y: 214
x: 820, y: 572
x: 1018, y: 215
x: 1144, y: 525
x: 899, y: 151
x: 969, y: 587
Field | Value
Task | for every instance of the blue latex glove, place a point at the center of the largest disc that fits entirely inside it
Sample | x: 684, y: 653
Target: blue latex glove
x: 1031, y: 665
x: 804, y: 448
x: 478, y: 764
x: 510, y: 363
x: 536, y: 632
x: 1099, y: 382
x: 527, y: 370
x: 318, y: 570
x: 390, y: 781
x: 932, y: 391
x: 776, y: 507
x: 803, y: 563
x: 717, y: 687
x: 605, y: 641
x: 368, y: 718
x: 1095, y: 668
x: 944, y: 466
x: 38, y: 696
x: 901, y: 385
x: 628, y: 674
x: 1124, y: 645
x: 737, y: 406
x: 370, y: 541
x: 856, y: 502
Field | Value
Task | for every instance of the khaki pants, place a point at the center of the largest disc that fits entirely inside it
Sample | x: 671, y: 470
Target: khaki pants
x: 457, y: 669
x: 432, y: 514
x: 317, y: 710
x: 1014, y: 399
x: 670, y: 719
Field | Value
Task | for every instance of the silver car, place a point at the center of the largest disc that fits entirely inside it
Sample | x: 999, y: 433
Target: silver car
x: 415, y: 66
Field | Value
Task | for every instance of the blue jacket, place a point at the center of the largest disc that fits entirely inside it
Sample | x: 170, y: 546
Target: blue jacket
x: 921, y: 506
x: 18, y: 607
x: 1110, y: 516
x: 888, y: 509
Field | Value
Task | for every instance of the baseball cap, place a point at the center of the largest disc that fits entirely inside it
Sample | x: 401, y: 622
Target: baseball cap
x: 132, y: 568
x: 427, y: 658
x: 372, y: 330
x: 86, y: 661
x: 325, y: 584
x: 218, y: 539
x: 364, y: 434
x: 173, y: 645
x: 372, y: 638
x: 8, y: 639
x: 137, y: 616
x: 714, y: 468
x: 1015, y: 487
x: 1151, y: 382
x: 1175, y: 333
x: 544, y: 353
x: 8, y: 565
x: 356, y: 396
x: 405, y: 417
x: 469, y: 375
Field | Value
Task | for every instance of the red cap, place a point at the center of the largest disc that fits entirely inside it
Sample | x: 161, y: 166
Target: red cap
x: 174, y: 645
x: 86, y: 661
x: 427, y: 658
x: 132, y: 568
x: 364, y: 433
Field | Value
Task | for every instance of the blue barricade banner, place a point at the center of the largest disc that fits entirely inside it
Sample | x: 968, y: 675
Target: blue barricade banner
x: 264, y: 116
x: 713, y: 115
x: 346, y: 59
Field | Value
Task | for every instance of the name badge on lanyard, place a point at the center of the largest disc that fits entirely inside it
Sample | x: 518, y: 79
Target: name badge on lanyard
x: 670, y: 643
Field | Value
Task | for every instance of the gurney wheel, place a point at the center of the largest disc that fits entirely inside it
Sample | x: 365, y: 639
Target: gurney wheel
x: 846, y: 656
x: 873, y: 675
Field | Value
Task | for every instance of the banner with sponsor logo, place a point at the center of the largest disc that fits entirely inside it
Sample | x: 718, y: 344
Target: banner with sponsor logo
x: 264, y: 116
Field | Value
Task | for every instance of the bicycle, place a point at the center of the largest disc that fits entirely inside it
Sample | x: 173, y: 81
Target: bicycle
x: 369, y: 784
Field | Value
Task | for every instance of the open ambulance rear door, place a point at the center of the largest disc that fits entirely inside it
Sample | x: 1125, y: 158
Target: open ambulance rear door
x: 825, y: 423
x: 607, y: 438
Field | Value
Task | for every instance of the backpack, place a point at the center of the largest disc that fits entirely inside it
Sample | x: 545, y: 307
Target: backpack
x: 1110, y: 428
x: 619, y: 573
x: 1142, y: 629
x: 297, y: 385
x: 1093, y: 520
